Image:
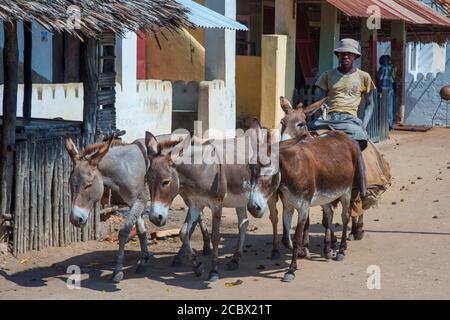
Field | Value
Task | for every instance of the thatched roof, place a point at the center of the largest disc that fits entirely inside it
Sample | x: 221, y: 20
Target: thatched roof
x: 98, y: 16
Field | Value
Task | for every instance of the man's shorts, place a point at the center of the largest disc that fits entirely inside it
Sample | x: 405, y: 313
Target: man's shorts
x: 341, y: 121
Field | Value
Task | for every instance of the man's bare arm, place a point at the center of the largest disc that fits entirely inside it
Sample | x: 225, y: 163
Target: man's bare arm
x: 368, y: 110
x: 321, y: 93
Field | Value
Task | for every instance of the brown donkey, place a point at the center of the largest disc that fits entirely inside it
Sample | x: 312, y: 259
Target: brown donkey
x: 377, y: 168
x: 315, y: 172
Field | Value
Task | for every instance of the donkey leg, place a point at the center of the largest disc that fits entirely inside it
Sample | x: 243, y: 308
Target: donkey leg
x: 243, y: 224
x: 142, y: 234
x: 327, y: 223
x: 206, y: 239
x: 303, y: 213
x: 345, y: 201
x: 288, y: 211
x: 304, y: 252
x: 217, y: 216
x: 191, y: 217
x: 359, y: 227
x: 354, y: 231
x: 274, y: 219
x: 124, y: 232
x: 178, y: 260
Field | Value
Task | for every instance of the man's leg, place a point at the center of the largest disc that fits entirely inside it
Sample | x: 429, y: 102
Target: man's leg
x: 362, y: 145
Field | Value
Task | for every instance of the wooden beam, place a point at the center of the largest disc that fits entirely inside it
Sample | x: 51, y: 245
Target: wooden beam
x: 10, y: 67
x: 398, y: 54
x: 27, y: 71
x: 90, y: 84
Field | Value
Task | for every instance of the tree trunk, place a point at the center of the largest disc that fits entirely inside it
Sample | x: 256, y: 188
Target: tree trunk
x: 90, y: 82
x: 27, y: 71
x: 11, y: 65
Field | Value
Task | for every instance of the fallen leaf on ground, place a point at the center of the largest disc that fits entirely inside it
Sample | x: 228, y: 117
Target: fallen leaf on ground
x: 235, y: 283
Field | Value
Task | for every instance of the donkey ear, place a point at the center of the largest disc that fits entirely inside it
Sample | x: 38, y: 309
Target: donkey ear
x: 254, y: 124
x: 312, y: 108
x: 151, y: 144
x: 72, y: 148
x: 177, y: 151
x: 299, y: 106
x: 285, y: 105
x: 95, y: 158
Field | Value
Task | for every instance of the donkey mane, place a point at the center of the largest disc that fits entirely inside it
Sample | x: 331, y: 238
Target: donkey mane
x: 95, y: 146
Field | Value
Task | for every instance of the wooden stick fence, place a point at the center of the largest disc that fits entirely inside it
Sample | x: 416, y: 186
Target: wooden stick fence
x: 42, y: 197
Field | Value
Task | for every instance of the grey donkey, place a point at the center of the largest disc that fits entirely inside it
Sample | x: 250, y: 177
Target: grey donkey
x: 121, y: 167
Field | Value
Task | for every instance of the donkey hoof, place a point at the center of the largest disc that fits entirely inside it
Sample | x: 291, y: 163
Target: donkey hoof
x: 360, y: 235
x: 340, y: 256
x: 306, y: 254
x: 288, y: 276
x: 333, y: 245
x: 177, y: 262
x: 328, y: 255
x: 117, y: 277
x: 213, y: 276
x: 199, y: 269
x: 351, y: 237
x: 288, y: 244
x: 141, y: 268
x: 275, y: 255
x: 232, y: 265
x: 207, y: 251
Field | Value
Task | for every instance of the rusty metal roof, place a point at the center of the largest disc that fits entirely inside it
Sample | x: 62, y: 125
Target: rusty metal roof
x: 410, y: 11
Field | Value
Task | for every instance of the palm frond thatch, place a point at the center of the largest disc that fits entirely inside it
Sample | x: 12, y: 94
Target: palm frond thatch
x: 97, y: 16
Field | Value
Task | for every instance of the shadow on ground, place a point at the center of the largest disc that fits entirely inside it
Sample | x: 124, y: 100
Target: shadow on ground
x: 99, y: 265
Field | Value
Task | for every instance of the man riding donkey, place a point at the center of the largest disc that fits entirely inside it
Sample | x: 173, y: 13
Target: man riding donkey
x: 345, y: 87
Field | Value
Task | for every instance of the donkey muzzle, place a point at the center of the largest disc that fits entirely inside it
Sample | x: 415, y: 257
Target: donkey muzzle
x: 158, y: 214
x: 256, y: 205
x: 79, y: 216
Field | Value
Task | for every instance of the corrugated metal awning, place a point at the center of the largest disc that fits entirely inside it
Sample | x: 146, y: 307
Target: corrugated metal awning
x: 410, y: 11
x: 203, y: 17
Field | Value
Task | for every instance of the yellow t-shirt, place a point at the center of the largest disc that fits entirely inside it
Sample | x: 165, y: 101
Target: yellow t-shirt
x: 345, y: 90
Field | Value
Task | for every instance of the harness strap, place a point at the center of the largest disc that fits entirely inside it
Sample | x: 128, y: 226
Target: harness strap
x: 144, y: 153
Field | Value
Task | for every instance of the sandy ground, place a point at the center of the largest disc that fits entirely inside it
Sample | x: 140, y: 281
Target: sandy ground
x: 408, y: 241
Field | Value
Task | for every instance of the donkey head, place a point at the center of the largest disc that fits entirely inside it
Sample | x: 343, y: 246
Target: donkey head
x: 265, y: 175
x: 86, y: 182
x: 162, y: 177
x: 293, y: 125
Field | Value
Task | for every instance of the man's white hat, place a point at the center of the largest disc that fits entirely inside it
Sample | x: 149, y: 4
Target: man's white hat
x: 348, y: 45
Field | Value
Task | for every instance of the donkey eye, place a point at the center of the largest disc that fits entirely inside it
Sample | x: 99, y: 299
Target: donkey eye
x: 165, y: 183
x: 87, y: 186
x: 301, y: 125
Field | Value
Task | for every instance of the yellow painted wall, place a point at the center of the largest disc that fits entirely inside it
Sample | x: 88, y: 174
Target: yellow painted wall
x: 181, y: 57
x: 248, y: 86
x: 199, y: 33
x: 273, y: 78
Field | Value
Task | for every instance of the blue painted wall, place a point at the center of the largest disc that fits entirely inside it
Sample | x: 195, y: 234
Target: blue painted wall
x: 42, y: 54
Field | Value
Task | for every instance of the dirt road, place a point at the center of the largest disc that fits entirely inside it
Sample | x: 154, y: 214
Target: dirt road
x: 407, y: 237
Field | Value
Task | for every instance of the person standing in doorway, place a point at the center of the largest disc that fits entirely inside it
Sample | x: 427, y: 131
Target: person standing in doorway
x: 385, y: 77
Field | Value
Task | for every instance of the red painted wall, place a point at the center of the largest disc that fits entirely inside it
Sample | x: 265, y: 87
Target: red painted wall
x: 141, y: 66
